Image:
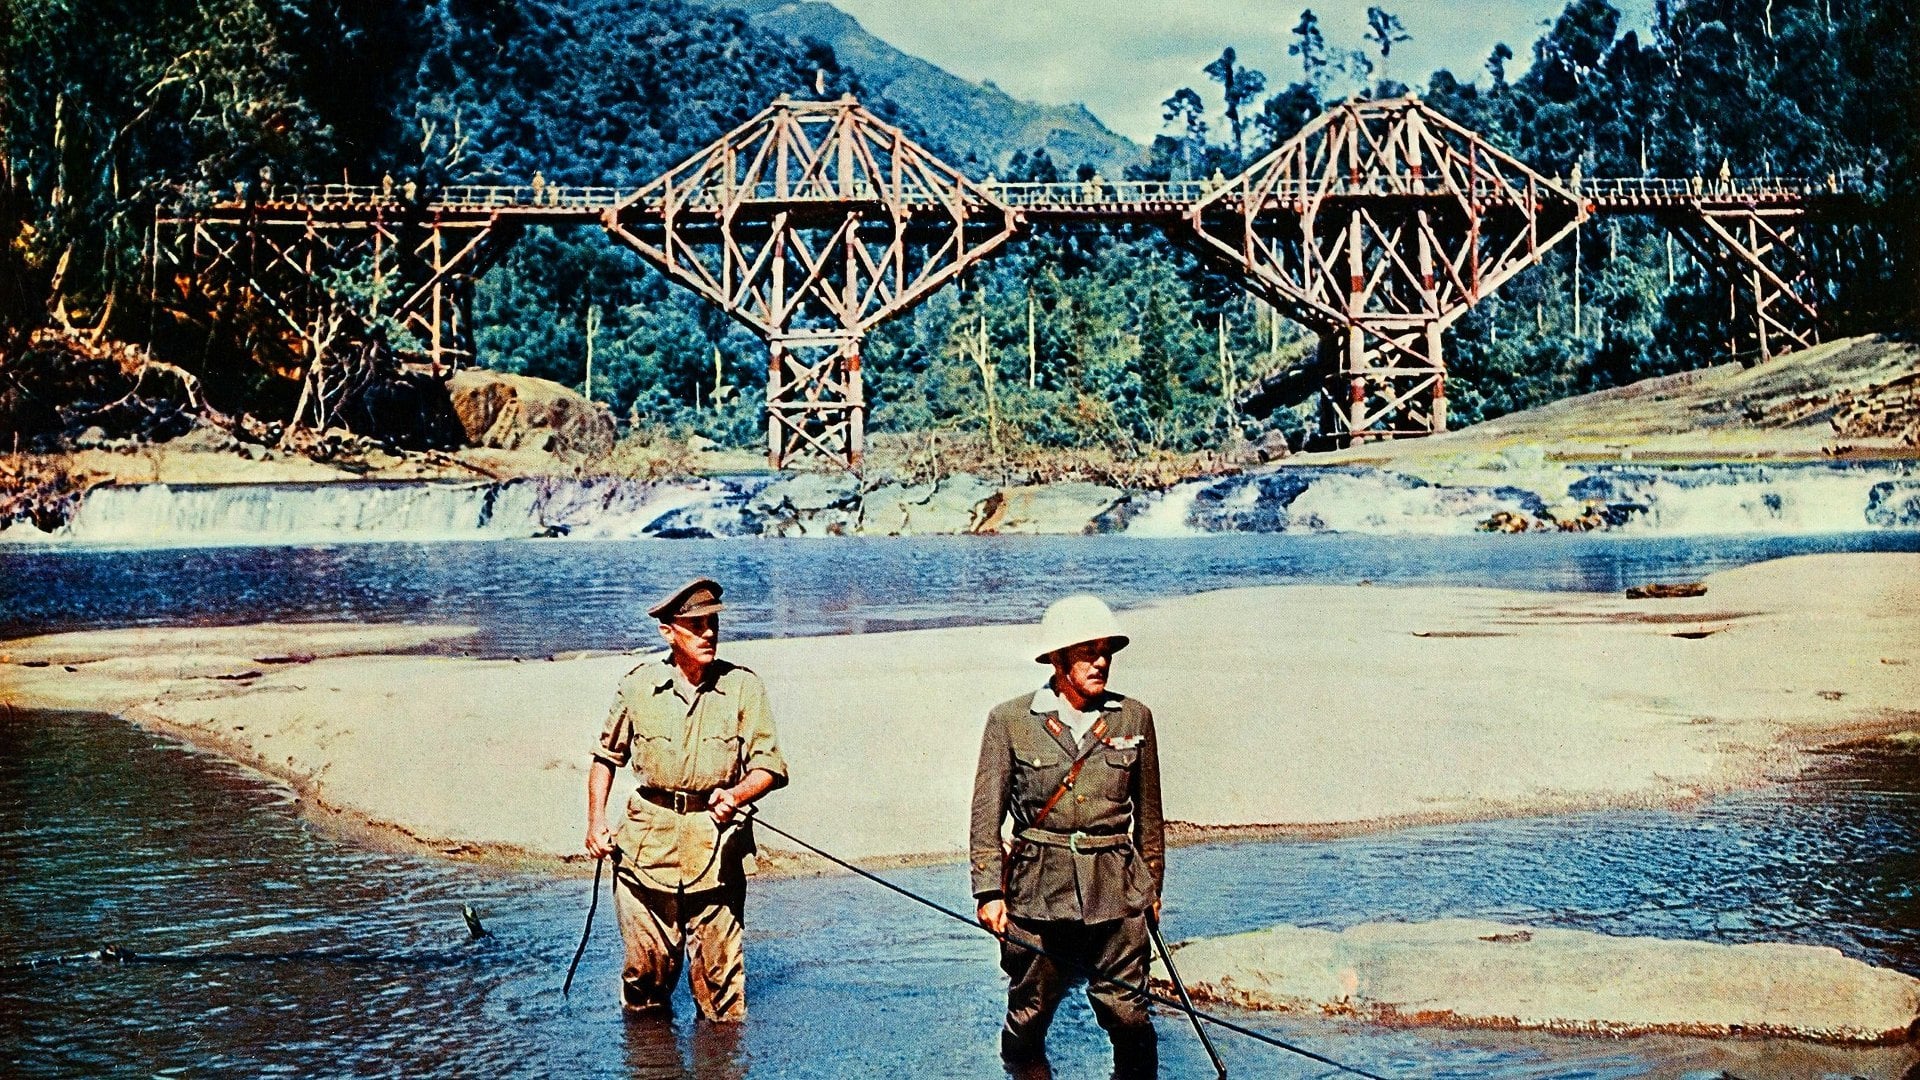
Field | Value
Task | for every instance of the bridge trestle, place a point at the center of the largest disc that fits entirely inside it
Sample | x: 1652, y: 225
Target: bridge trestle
x: 810, y: 224
x: 1378, y: 226
x: 333, y: 285
x: 1761, y: 251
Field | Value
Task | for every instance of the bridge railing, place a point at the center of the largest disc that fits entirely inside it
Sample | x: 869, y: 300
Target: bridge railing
x: 1103, y: 192
x: 455, y: 196
x: 1072, y: 194
x: 1651, y: 187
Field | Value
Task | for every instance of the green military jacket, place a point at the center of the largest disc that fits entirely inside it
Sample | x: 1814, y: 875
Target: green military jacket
x: 679, y: 736
x: 1114, y: 804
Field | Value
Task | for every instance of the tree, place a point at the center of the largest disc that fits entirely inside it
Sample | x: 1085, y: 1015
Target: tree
x: 1238, y: 86
x: 1311, y: 47
x: 1384, y: 31
x: 1497, y: 63
x: 1186, y: 113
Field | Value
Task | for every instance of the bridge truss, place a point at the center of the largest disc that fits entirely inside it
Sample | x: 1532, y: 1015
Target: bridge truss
x: 811, y: 223
x: 1378, y: 226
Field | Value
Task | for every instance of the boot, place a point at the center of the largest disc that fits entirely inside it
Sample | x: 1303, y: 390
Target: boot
x: 1136, y: 1053
x: 1024, y: 1059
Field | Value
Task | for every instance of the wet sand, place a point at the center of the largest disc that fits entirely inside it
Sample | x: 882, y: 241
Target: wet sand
x: 1469, y: 973
x: 1311, y: 709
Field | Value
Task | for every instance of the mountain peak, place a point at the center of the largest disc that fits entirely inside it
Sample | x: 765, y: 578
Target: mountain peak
x: 977, y: 120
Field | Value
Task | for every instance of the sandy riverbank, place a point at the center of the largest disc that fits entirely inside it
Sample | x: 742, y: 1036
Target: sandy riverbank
x: 1310, y: 708
x: 1851, y: 399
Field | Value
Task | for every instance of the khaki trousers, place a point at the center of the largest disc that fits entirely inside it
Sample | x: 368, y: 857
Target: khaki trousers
x: 660, y: 928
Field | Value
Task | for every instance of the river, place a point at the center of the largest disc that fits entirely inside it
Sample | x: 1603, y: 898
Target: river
x: 274, y: 948
x: 538, y: 597
x: 277, y: 950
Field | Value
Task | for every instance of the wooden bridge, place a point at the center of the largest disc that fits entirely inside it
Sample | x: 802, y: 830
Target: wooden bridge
x: 1378, y: 226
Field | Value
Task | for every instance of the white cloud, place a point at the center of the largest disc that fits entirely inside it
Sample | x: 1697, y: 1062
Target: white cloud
x: 1121, y: 58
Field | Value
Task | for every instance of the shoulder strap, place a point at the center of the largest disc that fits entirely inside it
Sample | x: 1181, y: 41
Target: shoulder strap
x: 1098, y: 729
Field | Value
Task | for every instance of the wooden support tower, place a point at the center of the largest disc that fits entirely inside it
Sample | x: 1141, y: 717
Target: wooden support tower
x: 393, y: 276
x: 811, y: 223
x: 1378, y: 226
x: 1762, y: 252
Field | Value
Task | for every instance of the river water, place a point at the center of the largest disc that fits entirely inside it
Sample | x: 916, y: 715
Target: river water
x: 538, y: 597
x: 275, y: 950
x: 271, y: 948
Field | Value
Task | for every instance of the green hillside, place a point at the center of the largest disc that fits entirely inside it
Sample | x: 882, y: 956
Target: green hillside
x: 978, y: 121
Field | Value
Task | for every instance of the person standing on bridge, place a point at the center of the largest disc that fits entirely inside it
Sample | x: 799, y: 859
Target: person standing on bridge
x: 698, y: 733
x: 1077, y: 769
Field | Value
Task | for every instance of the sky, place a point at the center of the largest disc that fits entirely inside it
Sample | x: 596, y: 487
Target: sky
x: 1122, y: 58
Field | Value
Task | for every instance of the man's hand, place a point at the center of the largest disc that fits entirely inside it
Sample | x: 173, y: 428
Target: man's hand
x: 599, y: 839
x: 727, y: 803
x: 723, y: 804
x: 993, y: 915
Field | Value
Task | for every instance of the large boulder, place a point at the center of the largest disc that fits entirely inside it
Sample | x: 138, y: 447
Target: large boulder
x: 937, y: 507
x: 519, y: 412
x: 1059, y: 509
x: 808, y: 504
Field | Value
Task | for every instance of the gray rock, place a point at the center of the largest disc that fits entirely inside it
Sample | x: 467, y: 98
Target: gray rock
x: 205, y: 439
x: 1057, y: 509
x: 808, y: 504
x: 1273, y: 447
x: 1894, y: 504
x: 941, y: 507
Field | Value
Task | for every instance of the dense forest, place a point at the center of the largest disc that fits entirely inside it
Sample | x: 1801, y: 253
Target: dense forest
x: 1115, y: 339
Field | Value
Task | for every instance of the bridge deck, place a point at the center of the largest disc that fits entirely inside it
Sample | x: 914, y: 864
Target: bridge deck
x: 1141, y: 200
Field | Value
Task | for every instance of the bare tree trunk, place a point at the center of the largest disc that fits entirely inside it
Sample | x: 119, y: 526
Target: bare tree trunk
x: 984, y: 361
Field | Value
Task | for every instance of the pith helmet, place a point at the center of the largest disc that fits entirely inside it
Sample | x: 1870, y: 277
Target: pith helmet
x: 701, y: 596
x: 1076, y: 619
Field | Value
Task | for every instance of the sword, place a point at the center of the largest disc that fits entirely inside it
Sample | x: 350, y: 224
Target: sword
x: 1173, y: 974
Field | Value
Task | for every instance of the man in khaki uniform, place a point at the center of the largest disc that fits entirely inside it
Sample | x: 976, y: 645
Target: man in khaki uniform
x: 1077, y: 769
x: 699, y: 735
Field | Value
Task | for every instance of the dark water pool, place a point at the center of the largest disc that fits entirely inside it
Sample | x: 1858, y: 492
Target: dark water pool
x: 281, y: 951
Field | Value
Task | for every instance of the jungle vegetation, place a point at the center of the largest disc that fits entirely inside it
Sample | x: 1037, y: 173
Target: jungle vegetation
x: 1070, y: 339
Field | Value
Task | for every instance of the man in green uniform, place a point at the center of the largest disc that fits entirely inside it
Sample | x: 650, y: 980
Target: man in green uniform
x: 1077, y: 769
x: 699, y: 735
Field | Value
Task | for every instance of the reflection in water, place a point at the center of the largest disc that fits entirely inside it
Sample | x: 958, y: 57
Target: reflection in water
x: 700, y: 1051
x: 276, y: 951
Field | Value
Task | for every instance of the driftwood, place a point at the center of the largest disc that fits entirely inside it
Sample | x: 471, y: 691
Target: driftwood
x: 1675, y: 591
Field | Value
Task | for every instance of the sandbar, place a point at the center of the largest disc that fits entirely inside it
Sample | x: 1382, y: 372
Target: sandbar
x: 1308, y: 709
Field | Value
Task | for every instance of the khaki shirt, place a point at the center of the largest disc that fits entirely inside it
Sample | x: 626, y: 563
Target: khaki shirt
x: 676, y: 735
x: 1117, y: 794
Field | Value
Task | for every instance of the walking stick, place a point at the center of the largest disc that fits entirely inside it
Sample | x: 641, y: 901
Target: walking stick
x: 593, y: 905
x: 1173, y: 975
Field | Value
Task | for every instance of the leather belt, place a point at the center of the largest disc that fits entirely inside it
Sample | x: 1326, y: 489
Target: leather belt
x: 676, y: 800
x: 1077, y: 842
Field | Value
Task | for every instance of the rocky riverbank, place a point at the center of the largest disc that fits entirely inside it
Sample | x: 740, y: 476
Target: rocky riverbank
x: 1823, y: 440
x: 1774, y: 499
